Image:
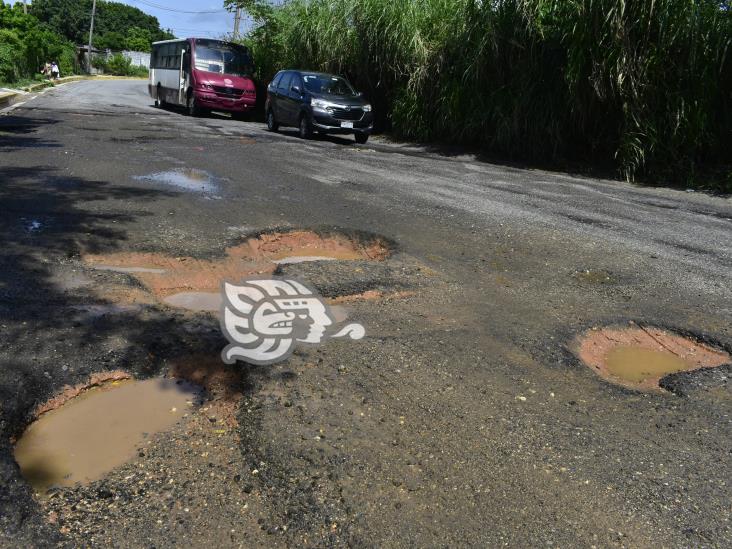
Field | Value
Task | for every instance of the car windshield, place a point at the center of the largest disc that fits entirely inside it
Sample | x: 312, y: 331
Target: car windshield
x: 223, y: 58
x: 332, y: 85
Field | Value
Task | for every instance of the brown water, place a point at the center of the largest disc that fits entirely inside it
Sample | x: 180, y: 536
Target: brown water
x: 99, y: 430
x: 636, y: 364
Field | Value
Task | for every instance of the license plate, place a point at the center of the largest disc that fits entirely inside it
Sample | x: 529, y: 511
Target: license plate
x: 346, y: 124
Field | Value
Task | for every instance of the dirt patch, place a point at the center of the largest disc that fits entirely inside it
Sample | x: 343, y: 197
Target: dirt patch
x: 593, y: 276
x: 164, y: 275
x: 221, y: 381
x: 370, y: 295
x: 639, y: 357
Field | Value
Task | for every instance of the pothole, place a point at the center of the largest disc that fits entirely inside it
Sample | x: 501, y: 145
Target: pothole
x: 99, y: 429
x: 189, y: 179
x: 593, y: 276
x: 638, y: 357
x: 188, y: 282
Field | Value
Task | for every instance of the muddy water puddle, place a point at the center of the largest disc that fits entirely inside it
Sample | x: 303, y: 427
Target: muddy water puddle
x: 638, y: 357
x: 189, y: 179
x: 637, y: 364
x: 99, y: 430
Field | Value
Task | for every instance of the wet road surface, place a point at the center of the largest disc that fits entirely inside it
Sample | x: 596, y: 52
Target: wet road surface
x: 463, y: 418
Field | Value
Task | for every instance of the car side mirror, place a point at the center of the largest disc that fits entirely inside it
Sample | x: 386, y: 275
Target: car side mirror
x: 359, y: 94
x: 296, y: 89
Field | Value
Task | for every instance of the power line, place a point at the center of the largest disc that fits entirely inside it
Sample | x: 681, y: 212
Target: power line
x: 164, y: 8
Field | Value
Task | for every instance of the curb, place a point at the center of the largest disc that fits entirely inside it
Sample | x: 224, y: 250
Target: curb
x: 7, y: 99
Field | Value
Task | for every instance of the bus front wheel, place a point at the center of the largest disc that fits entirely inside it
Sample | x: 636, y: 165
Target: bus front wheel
x: 193, y: 108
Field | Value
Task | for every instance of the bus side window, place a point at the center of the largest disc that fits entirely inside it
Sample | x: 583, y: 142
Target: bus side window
x: 169, y: 56
x: 187, y: 61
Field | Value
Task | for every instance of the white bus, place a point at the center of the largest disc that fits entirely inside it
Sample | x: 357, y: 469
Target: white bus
x: 202, y: 75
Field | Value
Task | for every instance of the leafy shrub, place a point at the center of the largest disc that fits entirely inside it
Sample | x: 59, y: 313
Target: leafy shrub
x: 11, y: 56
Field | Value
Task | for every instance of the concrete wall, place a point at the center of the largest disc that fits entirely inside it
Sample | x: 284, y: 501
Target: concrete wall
x: 138, y: 58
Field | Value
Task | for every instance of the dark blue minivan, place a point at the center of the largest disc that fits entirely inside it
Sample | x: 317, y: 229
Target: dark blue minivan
x: 315, y: 101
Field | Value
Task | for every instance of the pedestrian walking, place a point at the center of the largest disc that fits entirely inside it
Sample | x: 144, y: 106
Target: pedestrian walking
x: 55, y: 73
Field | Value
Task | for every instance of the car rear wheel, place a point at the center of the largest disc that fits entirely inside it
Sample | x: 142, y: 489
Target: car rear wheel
x: 306, y: 129
x: 361, y: 138
x: 272, y: 124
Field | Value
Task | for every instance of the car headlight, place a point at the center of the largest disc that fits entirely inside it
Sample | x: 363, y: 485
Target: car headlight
x: 319, y: 103
x: 366, y: 108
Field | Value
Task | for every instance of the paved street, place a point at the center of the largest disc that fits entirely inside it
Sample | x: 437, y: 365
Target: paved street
x: 463, y: 418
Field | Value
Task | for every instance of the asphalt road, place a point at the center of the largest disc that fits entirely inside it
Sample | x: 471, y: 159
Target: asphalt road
x: 462, y: 419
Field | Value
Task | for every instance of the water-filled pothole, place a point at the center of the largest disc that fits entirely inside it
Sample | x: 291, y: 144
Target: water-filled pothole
x: 99, y: 430
x: 189, y: 179
x: 185, y: 281
x: 638, y: 357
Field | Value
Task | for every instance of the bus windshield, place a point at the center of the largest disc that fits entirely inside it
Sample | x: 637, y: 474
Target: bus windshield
x: 222, y: 58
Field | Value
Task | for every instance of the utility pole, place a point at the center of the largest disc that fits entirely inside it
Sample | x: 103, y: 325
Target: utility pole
x: 237, y: 22
x: 25, y: 7
x: 91, y: 34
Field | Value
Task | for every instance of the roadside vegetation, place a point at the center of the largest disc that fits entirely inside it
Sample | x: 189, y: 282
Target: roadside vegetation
x: 119, y: 65
x: 26, y: 43
x: 644, y: 87
x: 52, y: 28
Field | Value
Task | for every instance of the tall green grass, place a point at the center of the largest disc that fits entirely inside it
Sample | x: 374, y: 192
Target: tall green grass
x: 644, y: 86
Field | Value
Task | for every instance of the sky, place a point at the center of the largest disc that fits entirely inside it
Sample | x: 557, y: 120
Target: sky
x: 208, y: 17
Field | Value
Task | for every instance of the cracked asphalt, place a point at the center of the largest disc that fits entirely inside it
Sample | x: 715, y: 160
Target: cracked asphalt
x: 462, y: 419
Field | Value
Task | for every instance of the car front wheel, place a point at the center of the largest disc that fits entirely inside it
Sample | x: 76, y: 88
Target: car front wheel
x: 361, y: 138
x: 272, y: 124
x: 306, y: 129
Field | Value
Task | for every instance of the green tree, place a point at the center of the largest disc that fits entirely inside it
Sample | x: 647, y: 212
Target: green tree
x: 139, y: 39
x: 11, y: 55
x: 26, y: 44
x: 111, y: 40
x: 71, y: 18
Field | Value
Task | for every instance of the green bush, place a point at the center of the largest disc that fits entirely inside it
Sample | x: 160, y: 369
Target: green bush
x: 26, y: 44
x: 12, y: 56
x: 645, y: 86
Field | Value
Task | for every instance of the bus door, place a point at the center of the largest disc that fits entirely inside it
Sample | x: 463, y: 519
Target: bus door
x: 184, y: 75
